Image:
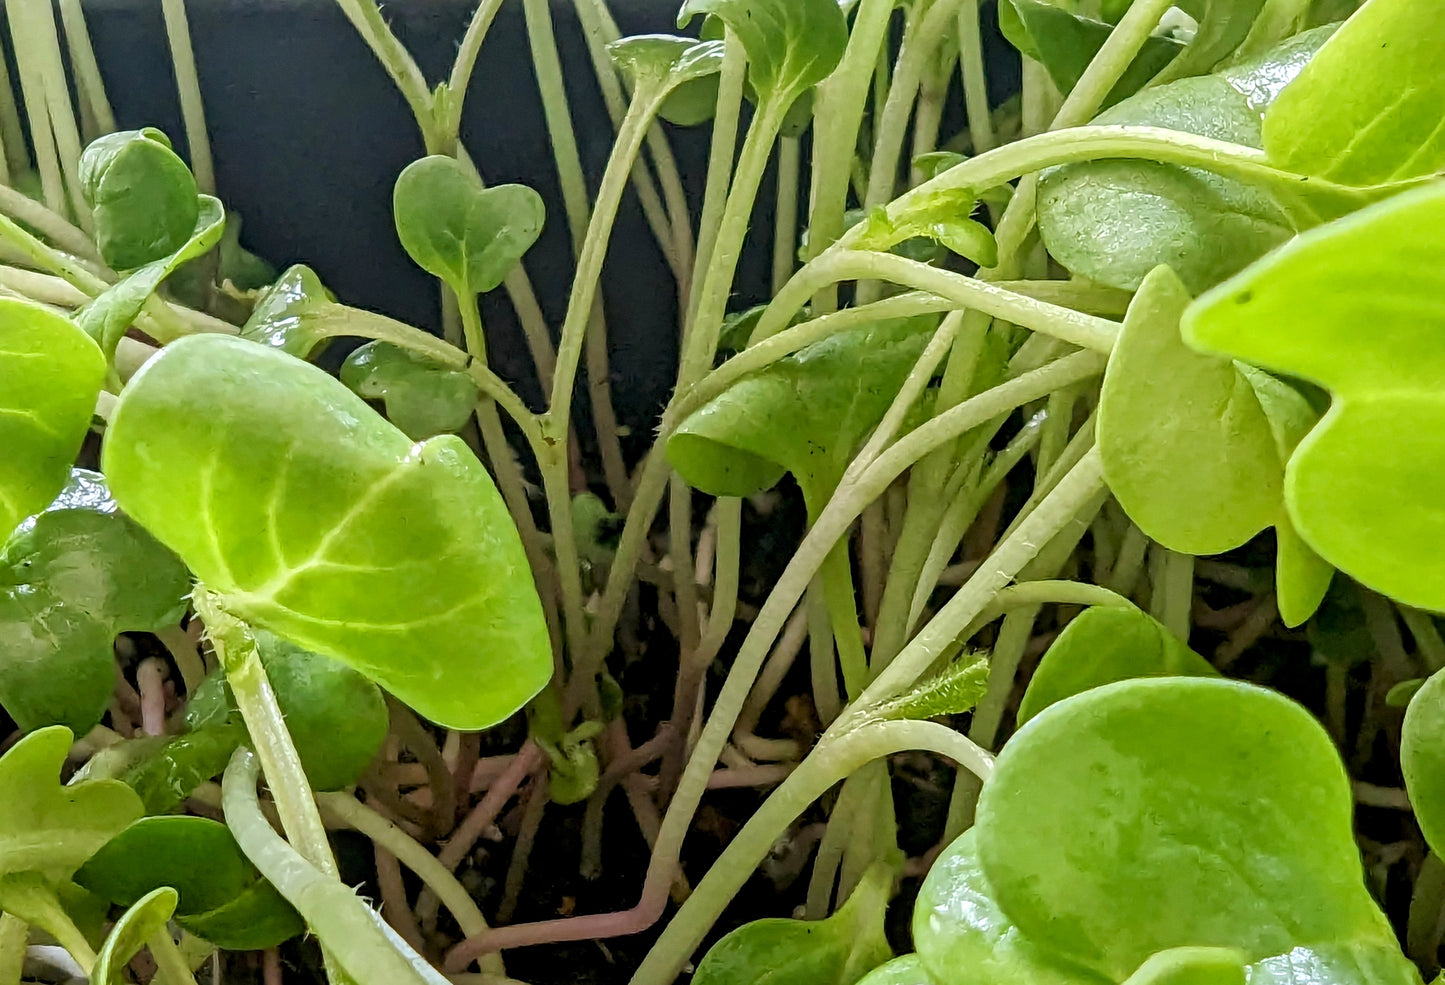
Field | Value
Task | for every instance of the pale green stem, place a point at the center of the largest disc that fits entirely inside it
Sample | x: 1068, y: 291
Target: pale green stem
x: 1111, y: 62
x: 547, y: 64
x: 839, y: 596
x: 171, y: 968
x: 460, y: 79
x: 1046, y: 592
x: 719, y: 167
x: 839, y: 757
x: 822, y: 656
x: 13, y: 935
x: 365, y: 16
x: 975, y: 81
x: 1131, y: 561
x: 679, y: 538
x: 51, y: 225
x: 785, y: 224
x: 85, y: 69
x: 1172, y: 597
x: 1428, y: 643
x: 32, y: 91
x: 188, y: 84
x: 57, y: 100
x: 12, y: 135
x: 435, y: 876
x: 838, y: 116
x: 236, y: 649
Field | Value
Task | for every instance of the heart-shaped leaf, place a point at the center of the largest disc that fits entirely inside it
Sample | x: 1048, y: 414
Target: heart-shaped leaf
x: 422, y: 397
x: 1065, y: 42
x: 837, y: 951
x: 290, y: 315
x: 1113, y: 221
x: 49, y: 829
x: 1102, y: 645
x: 309, y: 515
x: 361, y: 943
x: 831, y: 394
x: 71, y: 580
x: 137, y: 926
x: 1329, y: 122
x: 469, y: 236
x: 791, y: 45
x: 142, y: 195
x: 1352, y: 306
x: 50, y: 375
x: 107, y: 317
x: 336, y: 717
x: 1422, y: 758
x: 1182, y: 812
x: 200, y: 860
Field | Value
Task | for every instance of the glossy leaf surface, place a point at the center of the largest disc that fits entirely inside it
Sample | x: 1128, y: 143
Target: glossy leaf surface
x: 1367, y: 109
x: 1113, y: 221
x: 422, y: 398
x: 49, y: 829
x: 906, y: 970
x: 830, y: 394
x: 50, y: 375
x: 165, y: 770
x: 837, y: 951
x: 1222, y: 27
x: 310, y: 516
x: 684, y: 69
x: 290, y: 315
x: 1103, y: 645
x: 1353, y: 306
x: 142, y: 195
x: 71, y: 580
x: 1183, y: 812
x: 791, y: 45
x: 469, y: 236
x: 200, y: 860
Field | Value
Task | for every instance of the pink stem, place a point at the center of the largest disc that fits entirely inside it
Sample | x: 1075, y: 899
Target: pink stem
x: 750, y: 776
x: 151, y: 679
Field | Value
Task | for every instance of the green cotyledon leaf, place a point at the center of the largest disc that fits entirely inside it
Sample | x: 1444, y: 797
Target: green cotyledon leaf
x: 1366, y: 110
x: 469, y: 236
x: 805, y: 414
x: 682, y: 72
x: 1113, y: 221
x: 1194, y: 446
x: 306, y: 514
x: 72, y: 579
x: 142, y: 195
x: 50, y: 376
x: 1183, y: 812
x: 791, y: 45
x: 837, y: 951
x: 1102, y: 645
x: 289, y: 314
x: 200, y: 860
x: 422, y: 397
x: 1222, y: 26
x: 1353, y: 306
x: 1422, y: 758
x: 49, y: 829
x: 144, y: 921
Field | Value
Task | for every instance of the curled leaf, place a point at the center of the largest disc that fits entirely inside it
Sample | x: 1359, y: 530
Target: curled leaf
x: 142, y: 195
x: 791, y: 45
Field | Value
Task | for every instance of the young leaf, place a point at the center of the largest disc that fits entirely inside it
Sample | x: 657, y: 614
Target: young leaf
x: 1422, y: 758
x: 837, y: 951
x: 165, y: 770
x: 72, y: 579
x: 684, y: 69
x: 107, y: 317
x: 336, y: 717
x: 1359, y: 487
x: 831, y: 393
x: 290, y: 315
x: 49, y: 829
x: 469, y: 236
x: 1182, y: 812
x: 310, y: 516
x: 1102, y: 645
x: 200, y: 860
x: 50, y: 375
x: 1367, y: 109
x: 1223, y: 26
x: 952, y: 691
x: 1187, y: 444
x: 1113, y: 221
x: 791, y: 45
x: 145, y: 920
x: 422, y: 398
x: 142, y: 195
x: 1065, y: 42
x: 944, y: 217
x: 361, y: 943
